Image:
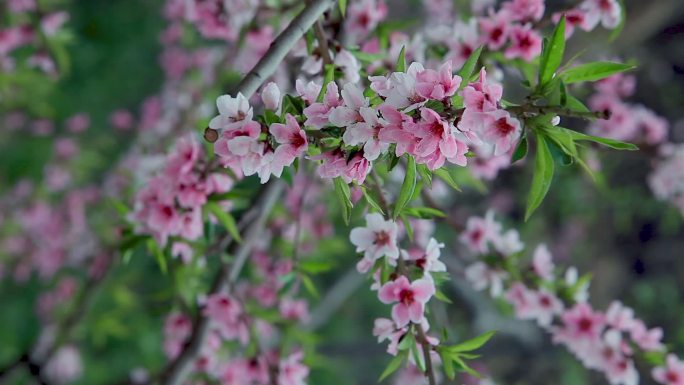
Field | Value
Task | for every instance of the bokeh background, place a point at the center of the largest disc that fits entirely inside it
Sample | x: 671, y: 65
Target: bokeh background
x: 633, y: 244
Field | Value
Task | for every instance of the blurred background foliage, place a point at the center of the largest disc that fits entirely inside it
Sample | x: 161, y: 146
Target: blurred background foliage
x: 633, y: 244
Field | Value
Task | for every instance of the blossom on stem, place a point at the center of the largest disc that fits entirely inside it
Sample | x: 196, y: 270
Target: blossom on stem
x: 377, y: 239
x: 411, y: 298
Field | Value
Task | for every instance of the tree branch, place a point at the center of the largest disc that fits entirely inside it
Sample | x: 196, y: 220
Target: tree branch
x: 282, y: 45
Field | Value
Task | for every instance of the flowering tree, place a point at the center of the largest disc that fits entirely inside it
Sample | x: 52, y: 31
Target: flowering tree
x: 342, y: 130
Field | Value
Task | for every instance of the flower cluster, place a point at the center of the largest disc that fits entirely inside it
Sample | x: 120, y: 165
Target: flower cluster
x: 170, y: 205
x: 28, y: 26
x: 607, y: 341
x: 408, y: 285
x: 627, y: 122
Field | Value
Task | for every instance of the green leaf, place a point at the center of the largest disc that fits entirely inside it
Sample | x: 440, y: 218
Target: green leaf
x: 425, y: 174
x: 553, y: 53
x: 575, y: 104
x: 371, y: 201
x: 344, y: 195
x: 520, y: 151
x: 407, y: 226
x: 329, y: 77
x: 393, y: 365
x: 418, y: 357
x: 543, y: 174
x: 401, y: 60
x: 447, y: 364
x: 592, y: 72
x: 407, y: 188
x: 472, y: 344
x: 442, y: 297
x: 158, y: 255
x: 309, y: 285
x: 563, y: 138
x: 424, y: 212
x: 469, y: 67
x: 465, y: 367
x: 444, y: 175
x: 225, y: 218
x: 343, y: 7
x: 612, y: 143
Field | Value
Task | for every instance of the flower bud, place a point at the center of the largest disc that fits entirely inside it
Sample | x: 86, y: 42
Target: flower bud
x: 270, y: 95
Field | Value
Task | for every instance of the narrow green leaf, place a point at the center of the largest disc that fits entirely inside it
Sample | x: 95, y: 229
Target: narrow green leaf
x: 444, y: 175
x: 418, y: 357
x: 563, y: 138
x: 401, y: 61
x: 465, y: 367
x: 612, y: 143
x: 543, y: 174
x: 407, y: 188
x: 225, y: 218
x: 343, y: 7
x: 553, y: 54
x: 158, y: 255
x: 424, y: 212
x: 371, y: 201
x: 309, y: 285
x: 407, y: 226
x: 425, y: 174
x: 442, y: 297
x: 592, y: 72
x: 329, y: 77
x: 469, y: 67
x: 575, y: 104
x: 520, y: 151
x: 447, y: 364
x: 344, y: 195
x: 393, y: 365
x: 473, y: 343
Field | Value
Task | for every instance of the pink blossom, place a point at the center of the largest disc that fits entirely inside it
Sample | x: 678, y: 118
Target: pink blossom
x: 542, y: 263
x: 291, y: 371
x: 65, y: 366
x: 525, y: 10
x: 222, y: 308
x: 411, y: 298
x: 293, y: 143
x: 377, y: 239
x: 428, y: 260
x: 482, y: 96
x: 525, y: 43
x: 582, y: 322
x: 233, y: 112
x: 318, y: 114
x: 437, y: 140
x: 437, y: 85
x: 654, y: 129
x: 357, y: 169
x: 670, y: 374
x: 309, y: 91
x: 495, y: 29
x: 573, y: 18
x: 121, y: 119
x: 51, y: 23
x: 606, y: 12
x: 479, y: 231
x: 363, y: 16
x: 648, y: 340
x: 367, y: 133
x: 78, y: 123
x: 295, y: 310
x: 619, y: 316
x: 349, y: 114
x: 398, y: 129
x: 501, y: 130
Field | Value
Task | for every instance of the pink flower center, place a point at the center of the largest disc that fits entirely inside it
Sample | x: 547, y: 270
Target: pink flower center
x: 605, y: 5
x: 672, y: 377
x: 496, y: 34
x: 382, y: 238
x: 437, y: 129
x: 420, y: 263
x: 502, y: 127
x: 525, y: 42
x: 545, y: 301
x: 585, y: 324
x: 224, y: 302
x: 296, y: 140
x: 406, y: 296
x: 476, y: 235
x: 466, y: 50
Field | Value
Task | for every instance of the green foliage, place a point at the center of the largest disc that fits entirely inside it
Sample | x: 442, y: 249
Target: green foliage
x: 401, y: 61
x: 552, y: 54
x: 469, y: 67
x: 592, y: 72
x: 344, y: 197
x: 407, y: 188
x: 543, y: 174
x: 225, y: 218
